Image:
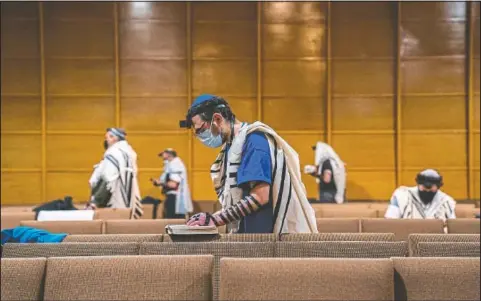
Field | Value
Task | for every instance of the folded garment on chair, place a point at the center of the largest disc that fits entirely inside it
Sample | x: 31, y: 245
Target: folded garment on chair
x: 24, y: 234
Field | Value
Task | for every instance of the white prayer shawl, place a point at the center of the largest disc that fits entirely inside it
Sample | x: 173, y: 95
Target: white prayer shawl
x: 177, y: 172
x: 119, y: 170
x: 292, y: 211
x: 326, y: 152
x: 410, y: 206
x: 95, y: 177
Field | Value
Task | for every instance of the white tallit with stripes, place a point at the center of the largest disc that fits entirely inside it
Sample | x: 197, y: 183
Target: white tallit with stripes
x: 406, y: 203
x: 119, y: 169
x: 323, y: 153
x: 292, y: 211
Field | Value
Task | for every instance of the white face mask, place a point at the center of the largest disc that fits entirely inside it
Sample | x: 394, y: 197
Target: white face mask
x: 208, y: 139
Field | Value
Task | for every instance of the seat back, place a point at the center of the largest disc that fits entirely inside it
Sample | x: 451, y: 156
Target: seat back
x: 337, y: 237
x: 436, y: 278
x: 338, y: 225
x: 69, y: 227
x: 465, y: 210
x: 217, y: 249
x: 343, y: 211
x: 305, y: 279
x: 463, y: 226
x: 115, y: 238
x: 415, y: 239
x: 402, y: 227
x: 12, y: 219
x: 22, y: 278
x: 113, y: 213
x: 342, y: 249
x: 70, y: 249
x: 129, y: 278
x: 153, y: 226
x: 448, y: 249
x: 241, y: 237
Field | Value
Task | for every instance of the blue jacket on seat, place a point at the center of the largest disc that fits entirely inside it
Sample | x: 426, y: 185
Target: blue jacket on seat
x: 24, y: 234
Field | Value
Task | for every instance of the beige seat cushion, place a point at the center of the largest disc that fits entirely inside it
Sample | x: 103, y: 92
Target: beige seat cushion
x: 71, y: 249
x: 12, y: 219
x: 347, y: 212
x: 341, y: 249
x: 306, y: 279
x: 415, y: 239
x: 115, y: 238
x: 129, y: 278
x: 464, y: 226
x: 69, y: 227
x: 436, y: 278
x: 337, y: 237
x: 449, y: 249
x: 141, y: 226
x: 22, y: 278
x: 402, y: 227
x: 338, y: 225
x: 113, y: 213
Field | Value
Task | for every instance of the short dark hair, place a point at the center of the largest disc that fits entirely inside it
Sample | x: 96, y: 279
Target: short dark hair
x: 207, y: 109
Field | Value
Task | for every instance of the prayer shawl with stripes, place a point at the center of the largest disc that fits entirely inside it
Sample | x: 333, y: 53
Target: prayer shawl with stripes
x: 292, y: 211
x: 409, y: 205
x: 119, y: 170
x: 178, y: 173
x: 326, y: 152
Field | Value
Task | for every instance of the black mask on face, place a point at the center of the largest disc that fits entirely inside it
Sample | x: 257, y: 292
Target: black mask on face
x: 426, y: 196
x: 106, y: 145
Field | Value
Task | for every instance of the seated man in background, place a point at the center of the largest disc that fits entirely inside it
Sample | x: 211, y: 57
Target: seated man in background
x: 256, y: 175
x: 424, y: 201
x: 175, y: 186
x: 114, y: 181
x: 330, y: 174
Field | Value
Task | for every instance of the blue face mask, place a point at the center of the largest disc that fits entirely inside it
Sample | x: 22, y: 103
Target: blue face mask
x: 208, y: 139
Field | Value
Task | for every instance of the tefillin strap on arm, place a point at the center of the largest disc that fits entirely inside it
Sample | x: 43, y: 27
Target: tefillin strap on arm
x: 244, y: 207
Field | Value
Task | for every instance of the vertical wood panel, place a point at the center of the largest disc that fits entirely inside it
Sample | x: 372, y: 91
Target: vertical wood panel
x: 44, y: 101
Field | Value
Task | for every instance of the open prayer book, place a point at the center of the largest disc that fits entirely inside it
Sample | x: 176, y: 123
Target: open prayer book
x: 191, y: 230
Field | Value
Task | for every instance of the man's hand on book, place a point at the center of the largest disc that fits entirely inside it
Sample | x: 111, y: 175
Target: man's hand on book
x: 201, y: 219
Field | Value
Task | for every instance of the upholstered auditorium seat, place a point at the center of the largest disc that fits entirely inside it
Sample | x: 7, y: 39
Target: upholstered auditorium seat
x: 22, y: 278
x: 12, y: 219
x: 115, y: 238
x: 464, y: 226
x: 70, y: 249
x: 156, y: 226
x: 129, y: 278
x: 337, y: 237
x: 70, y: 227
x: 436, y: 278
x: 338, y: 225
x: 402, y: 227
x: 306, y: 279
x: 342, y: 249
x: 448, y: 249
x: 415, y: 239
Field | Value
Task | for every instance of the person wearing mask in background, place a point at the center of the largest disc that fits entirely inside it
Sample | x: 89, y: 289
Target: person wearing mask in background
x: 114, y: 182
x: 256, y: 175
x: 175, y: 186
x: 424, y: 201
x: 330, y: 174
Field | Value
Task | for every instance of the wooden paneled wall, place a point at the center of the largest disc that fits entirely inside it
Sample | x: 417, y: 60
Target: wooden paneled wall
x: 393, y: 87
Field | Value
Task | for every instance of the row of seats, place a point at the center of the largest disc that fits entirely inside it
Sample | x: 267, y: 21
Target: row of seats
x: 12, y: 218
x: 348, y: 249
x: 400, y: 227
x: 188, y: 277
x: 376, y: 210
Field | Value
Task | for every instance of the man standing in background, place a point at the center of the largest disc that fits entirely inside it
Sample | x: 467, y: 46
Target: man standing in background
x: 173, y: 180
x: 330, y: 174
x: 114, y: 182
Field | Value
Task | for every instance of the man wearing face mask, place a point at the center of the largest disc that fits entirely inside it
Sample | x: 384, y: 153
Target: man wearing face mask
x: 114, y: 182
x: 256, y: 175
x: 173, y: 180
x: 424, y: 201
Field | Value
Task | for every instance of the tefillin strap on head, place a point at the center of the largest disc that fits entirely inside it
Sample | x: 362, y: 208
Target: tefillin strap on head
x: 205, y: 107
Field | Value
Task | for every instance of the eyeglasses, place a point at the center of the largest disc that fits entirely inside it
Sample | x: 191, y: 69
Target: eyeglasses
x: 200, y: 130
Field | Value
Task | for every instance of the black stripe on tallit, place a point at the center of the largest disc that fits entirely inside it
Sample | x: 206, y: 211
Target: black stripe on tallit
x: 417, y: 204
x: 287, y: 206
x: 281, y: 192
x: 215, y: 171
x: 232, y: 174
x: 271, y: 191
x: 115, y: 162
x: 235, y: 163
x: 129, y: 179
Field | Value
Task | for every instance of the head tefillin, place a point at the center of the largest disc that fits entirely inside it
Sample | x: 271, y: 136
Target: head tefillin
x: 429, y: 177
x: 206, y: 109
